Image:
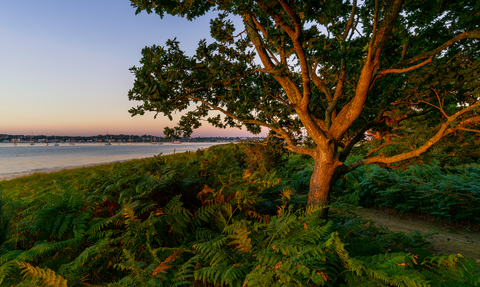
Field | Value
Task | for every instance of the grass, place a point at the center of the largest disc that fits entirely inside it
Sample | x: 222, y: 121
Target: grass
x: 26, y: 185
x: 30, y: 184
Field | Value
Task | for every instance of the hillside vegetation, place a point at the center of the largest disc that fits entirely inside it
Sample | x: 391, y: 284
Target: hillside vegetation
x: 232, y: 215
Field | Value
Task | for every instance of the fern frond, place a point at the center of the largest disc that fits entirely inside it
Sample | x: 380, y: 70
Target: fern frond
x: 176, y: 216
x: 163, y: 266
x: 205, y: 234
x: 65, y: 224
x: 7, y: 269
x: 80, y: 224
x: 239, y: 232
x: 205, y: 214
x: 45, y: 248
x: 99, y: 225
x: 186, y: 272
x: 46, y: 276
x: 147, y: 206
x: 85, y: 255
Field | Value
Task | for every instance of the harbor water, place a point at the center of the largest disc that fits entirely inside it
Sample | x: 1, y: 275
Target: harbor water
x: 27, y: 158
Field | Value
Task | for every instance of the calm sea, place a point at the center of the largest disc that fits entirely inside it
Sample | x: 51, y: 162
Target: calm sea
x: 26, y: 158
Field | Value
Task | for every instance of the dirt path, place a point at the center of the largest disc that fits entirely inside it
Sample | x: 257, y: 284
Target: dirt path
x: 446, y: 241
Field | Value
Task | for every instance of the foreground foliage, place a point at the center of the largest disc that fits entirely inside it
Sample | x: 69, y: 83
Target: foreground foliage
x: 210, y: 218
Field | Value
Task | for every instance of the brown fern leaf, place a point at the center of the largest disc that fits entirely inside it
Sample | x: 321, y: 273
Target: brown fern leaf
x: 163, y: 266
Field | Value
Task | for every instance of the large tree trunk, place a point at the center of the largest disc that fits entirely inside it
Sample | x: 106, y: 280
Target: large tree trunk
x: 324, y: 176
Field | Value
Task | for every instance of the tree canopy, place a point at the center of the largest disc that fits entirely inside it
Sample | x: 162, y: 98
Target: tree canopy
x: 335, y: 69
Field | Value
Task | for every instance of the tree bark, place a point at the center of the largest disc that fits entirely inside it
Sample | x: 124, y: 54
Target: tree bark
x: 325, y: 174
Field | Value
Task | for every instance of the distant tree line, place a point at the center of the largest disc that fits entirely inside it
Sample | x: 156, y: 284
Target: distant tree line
x: 115, y: 138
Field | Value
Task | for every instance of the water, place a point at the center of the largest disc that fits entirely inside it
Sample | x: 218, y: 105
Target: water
x: 26, y: 158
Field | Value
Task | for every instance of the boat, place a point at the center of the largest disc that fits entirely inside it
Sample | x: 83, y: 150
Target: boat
x: 72, y: 141
x: 46, y: 140
x: 130, y: 140
x: 108, y: 141
x: 31, y: 139
x: 153, y: 142
x: 56, y: 144
x: 176, y: 142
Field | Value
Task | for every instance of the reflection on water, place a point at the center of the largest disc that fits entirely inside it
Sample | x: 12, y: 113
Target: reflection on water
x: 24, y: 158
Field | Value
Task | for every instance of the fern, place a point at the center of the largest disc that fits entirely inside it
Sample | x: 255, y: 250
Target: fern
x: 7, y: 270
x: 185, y: 273
x: 238, y: 232
x: 45, y: 277
x: 85, y: 255
x: 236, y: 226
x: 5, y: 217
x: 176, y: 216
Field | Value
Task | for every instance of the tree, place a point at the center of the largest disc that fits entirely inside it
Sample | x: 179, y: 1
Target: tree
x: 335, y: 69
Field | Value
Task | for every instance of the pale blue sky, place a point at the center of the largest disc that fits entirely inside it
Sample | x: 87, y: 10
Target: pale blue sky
x: 64, y: 66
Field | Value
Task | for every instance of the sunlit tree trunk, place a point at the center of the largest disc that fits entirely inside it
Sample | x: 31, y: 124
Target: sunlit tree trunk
x: 325, y: 174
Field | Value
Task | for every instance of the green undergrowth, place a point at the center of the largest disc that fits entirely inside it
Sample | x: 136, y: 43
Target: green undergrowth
x: 232, y: 215
x: 450, y: 193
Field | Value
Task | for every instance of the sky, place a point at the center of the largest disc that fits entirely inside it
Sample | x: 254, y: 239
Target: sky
x: 64, y: 66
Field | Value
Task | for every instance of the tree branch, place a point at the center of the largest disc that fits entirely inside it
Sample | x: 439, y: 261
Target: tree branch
x: 294, y: 35
x: 321, y: 85
x: 444, y: 130
x: 475, y: 34
x: 278, y: 19
x: 351, y: 143
x: 264, y: 32
x: 350, y: 21
x: 338, y: 92
x: 397, y: 71
x: 380, y: 147
x: 257, y: 41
